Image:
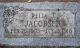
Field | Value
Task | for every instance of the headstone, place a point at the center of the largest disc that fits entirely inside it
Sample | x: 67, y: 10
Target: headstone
x: 54, y: 23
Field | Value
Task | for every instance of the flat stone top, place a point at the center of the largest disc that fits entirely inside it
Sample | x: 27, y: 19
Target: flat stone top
x: 66, y: 28
x: 39, y: 0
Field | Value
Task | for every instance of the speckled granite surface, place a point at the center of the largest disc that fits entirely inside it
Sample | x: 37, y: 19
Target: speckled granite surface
x: 75, y: 41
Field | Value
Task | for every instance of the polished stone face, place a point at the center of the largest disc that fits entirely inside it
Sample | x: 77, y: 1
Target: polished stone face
x: 55, y: 23
x: 38, y: 23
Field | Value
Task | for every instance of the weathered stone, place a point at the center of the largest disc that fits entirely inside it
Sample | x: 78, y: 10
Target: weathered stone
x: 20, y: 17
